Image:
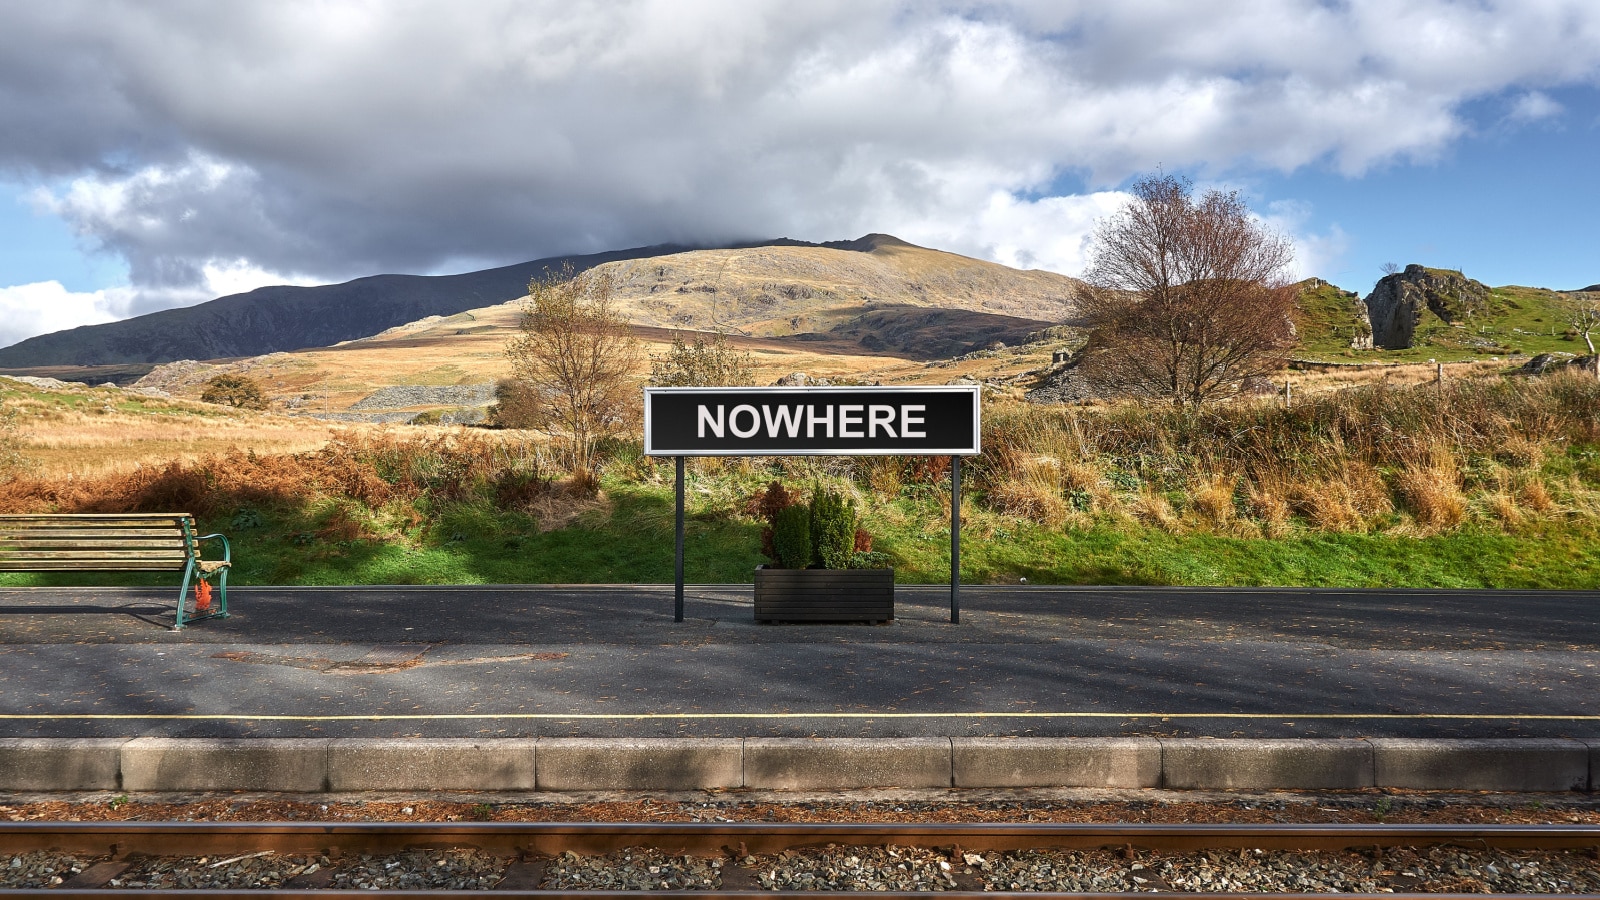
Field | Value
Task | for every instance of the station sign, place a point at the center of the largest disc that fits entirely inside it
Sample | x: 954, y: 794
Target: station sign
x: 936, y: 420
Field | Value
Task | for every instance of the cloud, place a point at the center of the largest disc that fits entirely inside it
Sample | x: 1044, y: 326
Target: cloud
x: 42, y: 307
x: 30, y: 309
x: 338, y: 139
x: 1315, y: 254
x: 1534, y: 106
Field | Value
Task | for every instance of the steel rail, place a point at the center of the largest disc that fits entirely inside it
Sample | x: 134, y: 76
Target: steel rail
x: 550, y: 838
x: 423, y: 894
x: 530, y: 841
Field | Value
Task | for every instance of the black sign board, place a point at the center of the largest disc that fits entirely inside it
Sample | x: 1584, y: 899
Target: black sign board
x: 812, y: 421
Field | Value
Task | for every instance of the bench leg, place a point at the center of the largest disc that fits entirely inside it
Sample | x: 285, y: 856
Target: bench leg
x: 183, y: 592
x: 222, y: 595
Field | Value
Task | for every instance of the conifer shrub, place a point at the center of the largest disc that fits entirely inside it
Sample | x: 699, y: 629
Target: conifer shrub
x: 791, y: 537
x: 833, y: 528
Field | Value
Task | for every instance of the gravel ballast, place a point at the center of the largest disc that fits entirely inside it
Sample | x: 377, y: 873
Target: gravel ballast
x: 846, y: 868
x: 874, y: 869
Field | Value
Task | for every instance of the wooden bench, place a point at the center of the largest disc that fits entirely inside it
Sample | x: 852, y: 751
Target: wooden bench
x: 131, y: 542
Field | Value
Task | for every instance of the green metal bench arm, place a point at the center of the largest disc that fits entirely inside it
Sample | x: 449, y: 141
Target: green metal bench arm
x: 227, y: 553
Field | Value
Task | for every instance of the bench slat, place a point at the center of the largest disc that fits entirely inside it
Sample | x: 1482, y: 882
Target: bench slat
x: 93, y: 529
x: 39, y: 541
x: 92, y: 517
x: 87, y: 565
x: 110, y: 525
x: 93, y: 553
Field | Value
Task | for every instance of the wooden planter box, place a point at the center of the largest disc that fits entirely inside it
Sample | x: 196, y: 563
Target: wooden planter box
x: 824, y: 595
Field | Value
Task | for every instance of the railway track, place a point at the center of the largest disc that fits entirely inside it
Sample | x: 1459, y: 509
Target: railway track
x: 316, y: 859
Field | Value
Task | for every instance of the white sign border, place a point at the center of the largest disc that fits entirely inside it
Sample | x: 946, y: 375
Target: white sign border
x: 976, y: 390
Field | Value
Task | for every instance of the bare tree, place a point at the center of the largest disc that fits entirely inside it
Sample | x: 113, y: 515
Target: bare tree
x: 573, y: 365
x: 1581, y: 311
x: 1188, y: 298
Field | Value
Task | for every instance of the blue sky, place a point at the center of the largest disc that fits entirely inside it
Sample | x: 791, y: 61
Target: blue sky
x: 167, y: 153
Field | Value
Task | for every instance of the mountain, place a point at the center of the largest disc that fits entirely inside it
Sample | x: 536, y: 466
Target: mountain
x: 282, y: 317
x: 773, y: 288
x: 793, y: 288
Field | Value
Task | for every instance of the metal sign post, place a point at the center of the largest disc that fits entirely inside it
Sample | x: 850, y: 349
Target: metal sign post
x: 677, y: 556
x: 938, y: 420
x: 955, y: 540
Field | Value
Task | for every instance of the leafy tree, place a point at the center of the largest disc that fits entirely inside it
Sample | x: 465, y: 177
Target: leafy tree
x: 702, y: 364
x: 573, y: 365
x: 233, y: 389
x: 1188, y: 299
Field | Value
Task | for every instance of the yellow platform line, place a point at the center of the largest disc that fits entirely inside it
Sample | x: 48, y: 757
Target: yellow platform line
x: 635, y: 717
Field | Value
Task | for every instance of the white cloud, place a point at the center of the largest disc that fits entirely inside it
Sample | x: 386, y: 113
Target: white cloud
x: 1315, y: 254
x: 1052, y: 233
x: 1534, y: 106
x: 338, y: 139
x: 45, y: 306
x: 27, y: 310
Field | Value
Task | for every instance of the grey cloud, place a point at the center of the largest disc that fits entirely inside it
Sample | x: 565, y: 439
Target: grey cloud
x: 335, y: 140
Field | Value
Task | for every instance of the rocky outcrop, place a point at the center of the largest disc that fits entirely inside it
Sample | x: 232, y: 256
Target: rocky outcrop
x: 1068, y: 384
x: 1547, y: 363
x: 1398, y: 303
x: 404, y: 396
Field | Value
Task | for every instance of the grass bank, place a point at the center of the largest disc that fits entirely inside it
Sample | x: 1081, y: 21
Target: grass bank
x: 1489, y: 484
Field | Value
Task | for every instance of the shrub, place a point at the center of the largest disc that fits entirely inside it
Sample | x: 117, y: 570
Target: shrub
x: 702, y: 364
x: 766, y: 505
x: 870, y: 559
x: 236, y: 390
x: 863, y: 543
x: 791, y: 537
x: 833, y: 528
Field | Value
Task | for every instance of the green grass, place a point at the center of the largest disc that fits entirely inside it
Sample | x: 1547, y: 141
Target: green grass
x: 1518, y: 321
x: 631, y: 543
x: 94, y: 400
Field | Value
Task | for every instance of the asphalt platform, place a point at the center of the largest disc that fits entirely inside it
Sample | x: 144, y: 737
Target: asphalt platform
x: 610, y: 662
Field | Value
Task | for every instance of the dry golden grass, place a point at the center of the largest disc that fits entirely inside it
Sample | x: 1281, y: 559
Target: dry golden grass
x: 1032, y: 490
x: 1432, y: 491
x: 1370, y: 457
x: 83, y: 432
x: 1398, y: 375
x: 1212, y: 498
x: 120, y: 443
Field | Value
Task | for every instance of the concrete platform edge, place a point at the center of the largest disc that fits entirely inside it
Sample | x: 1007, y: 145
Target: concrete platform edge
x: 793, y: 764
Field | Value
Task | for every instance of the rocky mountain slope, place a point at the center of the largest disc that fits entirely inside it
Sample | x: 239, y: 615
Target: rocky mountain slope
x: 774, y: 288
x: 282, y: 317
x: 778, y: 290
